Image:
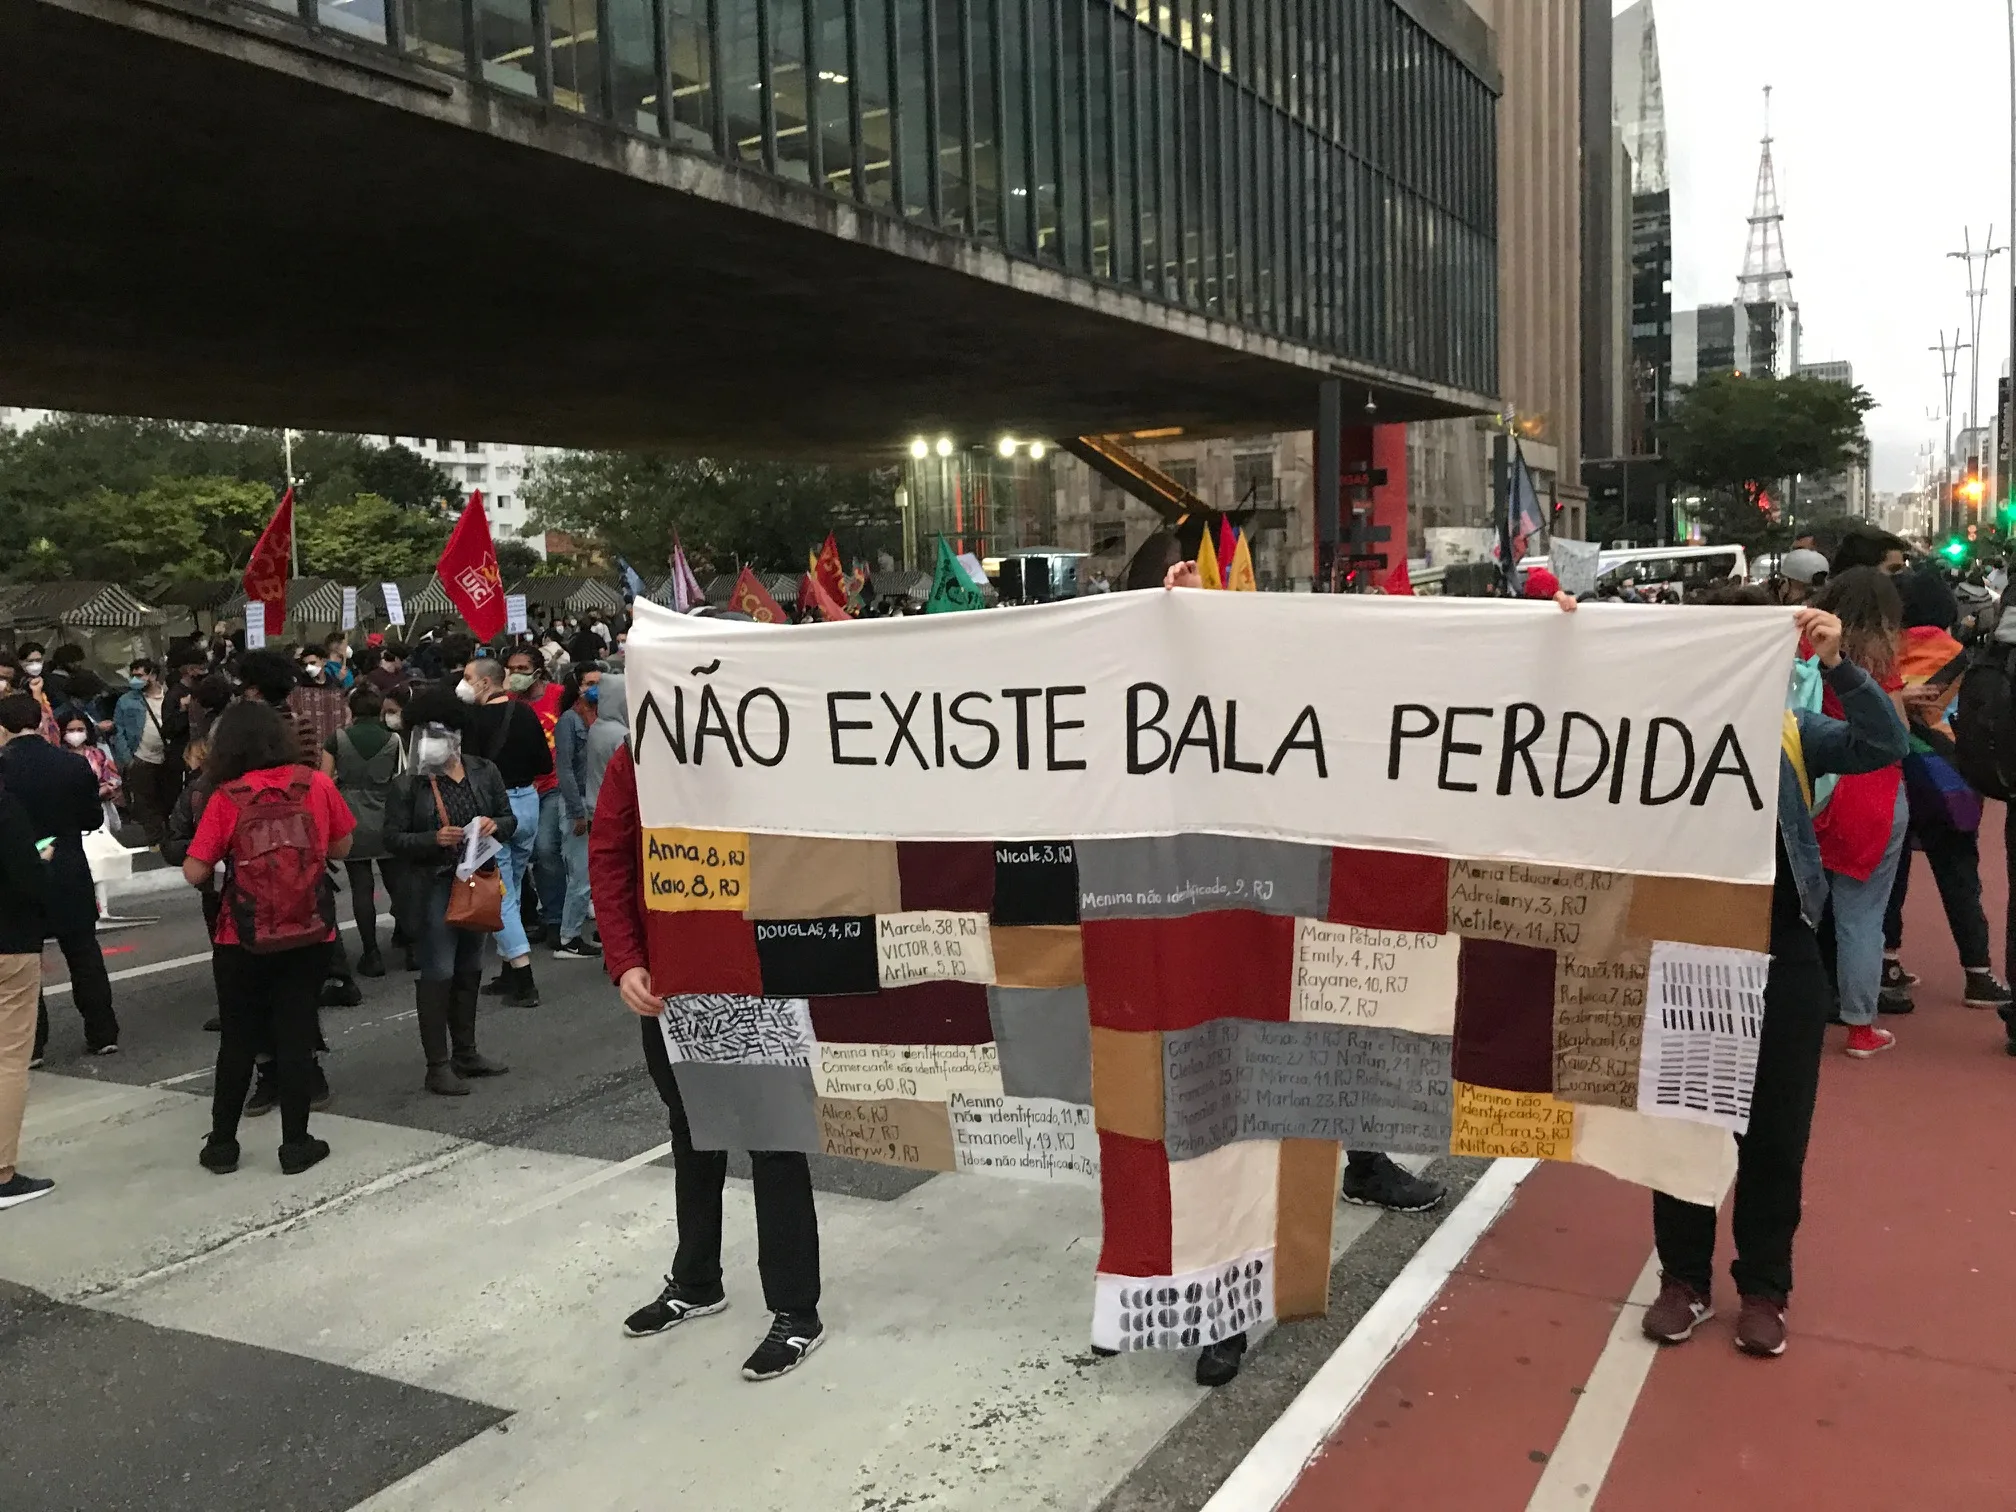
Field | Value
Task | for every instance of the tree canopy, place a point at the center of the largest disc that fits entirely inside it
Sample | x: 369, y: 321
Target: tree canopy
x: 1739, y: 438
x: 758, y: 514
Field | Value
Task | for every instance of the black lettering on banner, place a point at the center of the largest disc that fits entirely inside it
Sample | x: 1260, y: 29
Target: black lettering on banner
x: 993, y: 735
x: 783, y: 726
x: 1401, y: 732
x: 1292, y: 742
x: 903, y: 737
x: 1451, y: 746
x: 1020, y: 698
x: 1232, y: 761
x: 1520, y: 744
x: 835, y: 724
x: 1623, y: 756
x: 1686, y: 781
x: 716, y: 725
x: 1567, y: 739
x: 1207, y: 742
x: 938, y: 728
x: 674, y: 733
x: 1052, y: 725
x: 1137, y: 726
x: 1727, y: 744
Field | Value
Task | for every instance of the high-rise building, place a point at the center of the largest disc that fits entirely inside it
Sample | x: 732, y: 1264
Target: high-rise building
x: 1640, y: 104
x: 1843, y: 492
x: 501, y: 469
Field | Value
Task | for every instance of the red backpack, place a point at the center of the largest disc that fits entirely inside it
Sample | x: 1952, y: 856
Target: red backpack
x: 278, y: 890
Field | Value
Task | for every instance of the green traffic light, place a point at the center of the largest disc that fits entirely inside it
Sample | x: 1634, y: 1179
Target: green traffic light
x: 1955, y: 549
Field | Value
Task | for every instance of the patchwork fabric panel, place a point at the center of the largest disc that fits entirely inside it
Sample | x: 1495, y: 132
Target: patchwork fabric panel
x: 1200, y: 1026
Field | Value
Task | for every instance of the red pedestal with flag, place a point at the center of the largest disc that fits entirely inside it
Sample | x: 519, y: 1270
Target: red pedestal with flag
x: 469, y: 574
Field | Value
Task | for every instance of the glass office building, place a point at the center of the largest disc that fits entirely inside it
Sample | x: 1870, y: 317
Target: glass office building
x: 1318, y: 170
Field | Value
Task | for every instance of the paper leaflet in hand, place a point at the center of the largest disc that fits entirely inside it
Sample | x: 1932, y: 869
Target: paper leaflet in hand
x: 477, y: 852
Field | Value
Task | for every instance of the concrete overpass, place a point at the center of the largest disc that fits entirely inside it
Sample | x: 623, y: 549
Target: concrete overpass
x: 228, y: 211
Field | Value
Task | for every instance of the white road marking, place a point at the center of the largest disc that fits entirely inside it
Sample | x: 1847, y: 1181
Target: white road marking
x: 1272, y: 1466
x: 155, y: 968
x: 1581, y: 1459
x: 586, y: 1183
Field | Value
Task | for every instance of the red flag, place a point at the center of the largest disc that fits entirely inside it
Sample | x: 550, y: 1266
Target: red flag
x: 832, y: 574
x: 1398, y: 582
x: 1228, y: 547
x: 266, y: 572
x: 750, y: 596
x: 813, y: 593
x: 469, y: 574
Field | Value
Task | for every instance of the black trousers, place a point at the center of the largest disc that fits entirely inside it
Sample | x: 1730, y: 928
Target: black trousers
x: 90, y: 990
x: 266, y: 1002
x: 364, y: 899
x: 151, y: 790
x: 1771, y: 1160
x: 787, y: 1226
x: 1955, y: 859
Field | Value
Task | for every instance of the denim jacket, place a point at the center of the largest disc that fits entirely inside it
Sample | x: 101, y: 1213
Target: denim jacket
x: 1869, y: 739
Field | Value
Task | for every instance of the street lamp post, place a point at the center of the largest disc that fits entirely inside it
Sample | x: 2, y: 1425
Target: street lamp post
x: 294, y: 526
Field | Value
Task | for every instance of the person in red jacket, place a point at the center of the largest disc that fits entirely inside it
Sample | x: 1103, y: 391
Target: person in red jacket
x: 787, y: 1225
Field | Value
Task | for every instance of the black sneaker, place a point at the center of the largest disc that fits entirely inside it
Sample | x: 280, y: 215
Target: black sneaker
x: 35, y: 1061
x: 1384, y: 1183
x: 1895, y: 977
x: 1219, y: 1363
x: 265, y: 1092
x: 499, y: 985
x: 792, y: 1336
x: 370, y: 964
x: 219, y: 1156
x: 298, y: 1155
x: 113, y: 1048
x: 576, y: 950
x: 1985, y: 991
x: 213, y: 1025
x: 17, y: 1189
x: 1896, y: 1000
x: 668, y: 1311
x: 340, y: 992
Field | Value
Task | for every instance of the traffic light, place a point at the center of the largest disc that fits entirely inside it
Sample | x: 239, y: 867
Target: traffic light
x: 1973, y: 490
x: 1955, y: 549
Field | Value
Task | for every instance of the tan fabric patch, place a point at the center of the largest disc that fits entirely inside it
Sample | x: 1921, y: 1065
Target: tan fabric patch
x: 794, y: 877
x: 1519, y: 1124
x: 1546, y: 907
x: 1127, y: 1082
x: 1302, y: 1217
x: 1694, y: 912
x: 1039, y: 955
x: 898, y: 1133
x: 1599, y: 1025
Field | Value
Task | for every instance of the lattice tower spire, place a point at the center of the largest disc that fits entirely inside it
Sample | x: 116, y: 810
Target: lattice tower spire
x: 1765, y: 278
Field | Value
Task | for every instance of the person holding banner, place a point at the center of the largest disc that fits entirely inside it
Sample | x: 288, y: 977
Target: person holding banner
x: 1771, y: 1159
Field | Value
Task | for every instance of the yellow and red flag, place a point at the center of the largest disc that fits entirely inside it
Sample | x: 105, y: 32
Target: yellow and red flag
x: 753, y: 599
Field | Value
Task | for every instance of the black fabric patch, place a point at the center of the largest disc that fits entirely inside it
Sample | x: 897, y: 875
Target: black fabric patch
x: 802, y: 958
x: 1035, y: 882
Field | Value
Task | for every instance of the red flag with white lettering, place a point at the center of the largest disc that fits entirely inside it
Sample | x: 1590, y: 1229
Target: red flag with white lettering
x: 469, y: 574
x: 266, y: 572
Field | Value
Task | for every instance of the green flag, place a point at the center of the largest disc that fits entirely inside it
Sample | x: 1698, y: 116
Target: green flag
x: 950, y: 587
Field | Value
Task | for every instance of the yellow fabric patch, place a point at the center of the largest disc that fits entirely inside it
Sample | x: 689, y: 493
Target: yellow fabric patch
x: 686, y: 870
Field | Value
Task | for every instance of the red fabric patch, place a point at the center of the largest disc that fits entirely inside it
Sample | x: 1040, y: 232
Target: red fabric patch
x: 929, y: 1013
x: 1134, y: 1200
x: 1177, y: 973
x: 951, y: 874
x: 1505, y: 1017
x: 706, y: 950
x: 1389, y: 890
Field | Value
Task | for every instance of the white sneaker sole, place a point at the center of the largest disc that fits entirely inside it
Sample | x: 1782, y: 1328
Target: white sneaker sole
x: 1681, y: 1338
x: 814, y: 1343
x: 9, y: 1202
x: 686, y: 1317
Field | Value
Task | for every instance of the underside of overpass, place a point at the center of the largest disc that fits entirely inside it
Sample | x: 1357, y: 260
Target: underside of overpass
x: 211, y: 216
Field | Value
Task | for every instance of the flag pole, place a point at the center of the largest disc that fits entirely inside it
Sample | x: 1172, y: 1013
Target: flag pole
x: 293, y: 533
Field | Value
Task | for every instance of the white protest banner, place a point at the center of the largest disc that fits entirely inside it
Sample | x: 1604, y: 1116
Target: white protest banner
x: 349, y: 609
x: 515, y: 621
x: 255, y: 624
x: 395, y: 603
x: 1575, y: 563
x: 1612, y: 738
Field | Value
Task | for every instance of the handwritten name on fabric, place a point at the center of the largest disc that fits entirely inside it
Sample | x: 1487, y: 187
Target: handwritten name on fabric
x: 1454, y: 727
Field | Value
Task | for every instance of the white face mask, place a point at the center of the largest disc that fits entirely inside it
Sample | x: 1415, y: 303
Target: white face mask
x: 75, y: 737
x: 435, y: 750
x: 32, y: 668
x: 466, y: 691
x: 392, y: 720
x: 314, y: 669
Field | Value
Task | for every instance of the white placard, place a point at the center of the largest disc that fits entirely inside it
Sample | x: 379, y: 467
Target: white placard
x: 933, y: 947
x: 1460, y: 727
x: 1575, y: 564
x: 349, y: 609
x: 515, y: 621
x: 255, y: 624
x: 1375, y: 978
x: 395, y: 603
x: 1704, y: 1014
x: 912, y: 1073
x: 1028, y: 1138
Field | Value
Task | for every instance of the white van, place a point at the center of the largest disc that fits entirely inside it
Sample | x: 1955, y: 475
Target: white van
x: 1656, y: 566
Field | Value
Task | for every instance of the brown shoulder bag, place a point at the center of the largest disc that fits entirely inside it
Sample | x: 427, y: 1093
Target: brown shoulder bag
x: 477, y: 903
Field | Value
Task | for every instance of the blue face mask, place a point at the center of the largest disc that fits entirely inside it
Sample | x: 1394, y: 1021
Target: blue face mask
x: 592, y: 693
x: 137, y: 684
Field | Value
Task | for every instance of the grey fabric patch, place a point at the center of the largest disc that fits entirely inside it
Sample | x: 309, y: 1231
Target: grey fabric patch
x: 749, y: 1107
x: 1044, y: 1037
x: 1164, y: 876
x: 1368, y: 1089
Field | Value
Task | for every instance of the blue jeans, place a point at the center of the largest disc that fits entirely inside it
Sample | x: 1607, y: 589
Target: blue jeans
x: 511, y: 941
x: 1858, y: 928
x: 444, y: 952
x: 549, y: 867
x: 574, y: 917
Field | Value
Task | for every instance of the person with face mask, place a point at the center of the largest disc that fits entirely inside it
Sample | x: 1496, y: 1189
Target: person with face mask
x: 364, y: 758
x: 525, y: 680
x: 140, y: 742
x: 579, y: 700
x: 80, y: 734
x: 443, y: 792
x: 506, y: 732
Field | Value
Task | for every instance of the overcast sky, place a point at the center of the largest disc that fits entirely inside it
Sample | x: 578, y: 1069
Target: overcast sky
x: 1892, y: 136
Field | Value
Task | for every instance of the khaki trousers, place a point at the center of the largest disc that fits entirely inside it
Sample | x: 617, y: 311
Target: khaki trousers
x: 20, y: 982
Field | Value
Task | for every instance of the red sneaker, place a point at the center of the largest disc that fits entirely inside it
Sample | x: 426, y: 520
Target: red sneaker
x: 1760, y: 1327
x: 1865, y: 1040
x: 1678, y: 1311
